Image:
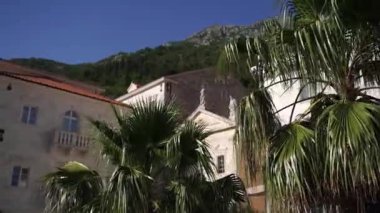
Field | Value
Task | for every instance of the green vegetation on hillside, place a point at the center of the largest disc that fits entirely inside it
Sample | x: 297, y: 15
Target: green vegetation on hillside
x: 116, y: 72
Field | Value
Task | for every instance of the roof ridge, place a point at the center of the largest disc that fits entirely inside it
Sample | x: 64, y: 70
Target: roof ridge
x: 23, y: 69
x: 60, y: 85
x: 188, y: 72
x: 33, y: 75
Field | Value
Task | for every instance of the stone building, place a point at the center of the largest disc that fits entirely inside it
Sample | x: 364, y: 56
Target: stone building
x: 212, y: 102
x: 204, y: 98
x: 43, y: 123
x: 185, y: 88
x: 220, y: 141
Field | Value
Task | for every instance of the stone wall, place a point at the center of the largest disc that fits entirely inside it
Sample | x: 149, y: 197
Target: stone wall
x: 31, y: 146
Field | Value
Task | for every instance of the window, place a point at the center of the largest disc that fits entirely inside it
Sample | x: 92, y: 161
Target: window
x: 24, y: 177
x: 20, y: 176
x: 220, y: 164
x: 15, y: 175
x: 1, y: 135
x: 70, y: 121
x: 29, y: 115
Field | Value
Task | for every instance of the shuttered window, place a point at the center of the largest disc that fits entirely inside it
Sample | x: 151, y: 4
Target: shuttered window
x: 29, y: 115
x: 20, y: 176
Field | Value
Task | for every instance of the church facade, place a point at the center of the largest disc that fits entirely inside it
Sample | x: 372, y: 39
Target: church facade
x: 211, y: 102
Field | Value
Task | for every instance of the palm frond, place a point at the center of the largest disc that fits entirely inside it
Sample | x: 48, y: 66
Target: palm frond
x: 161, y: 166
x: 127, y: 191
x: 334, y: 153
x: 149, y: 124
x: 110, y: 139
x: 349, y: 131
x: 256, y: 124
x: 186, y: 196
x: 229, y: 193
x: 187, y: 151
x: 291, y: 170
x: 194, y: 194
x: 72, y: 188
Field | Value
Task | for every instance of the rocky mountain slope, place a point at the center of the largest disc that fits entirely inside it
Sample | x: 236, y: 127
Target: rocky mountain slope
x: 115, y: 72
x: 222, y: 33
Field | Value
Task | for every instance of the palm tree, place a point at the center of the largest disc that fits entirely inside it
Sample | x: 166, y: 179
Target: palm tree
x: 73, y: 180
x: 162, y: 164
x: 327, y: 157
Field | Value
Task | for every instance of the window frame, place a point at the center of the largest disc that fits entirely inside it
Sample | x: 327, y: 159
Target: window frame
x: 27, y: 114
x: 15, y: 176
x: 24, y: 177
x: 20, y: 176
x: 220, y: 164
x: 71, y: 119
x: 2, y: 133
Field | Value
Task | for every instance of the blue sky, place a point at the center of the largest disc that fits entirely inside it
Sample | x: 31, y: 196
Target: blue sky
x: 76, y: 31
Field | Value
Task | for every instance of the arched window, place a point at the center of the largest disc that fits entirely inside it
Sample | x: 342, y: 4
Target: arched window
x: 70, y: 121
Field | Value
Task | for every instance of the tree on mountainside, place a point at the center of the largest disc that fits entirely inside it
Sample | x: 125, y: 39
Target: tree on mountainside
x: 115, y: 73
x: 326, y: 158
x: 161, y: 165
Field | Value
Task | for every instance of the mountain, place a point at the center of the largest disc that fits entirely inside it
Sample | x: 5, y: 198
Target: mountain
x: 222, y: 33
x: 114, y: 73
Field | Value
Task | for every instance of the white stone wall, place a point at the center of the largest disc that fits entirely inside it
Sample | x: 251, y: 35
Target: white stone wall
x: 156, y: 92
x: 31, y: 146
x: 221, y: 143
x: 283, y: 96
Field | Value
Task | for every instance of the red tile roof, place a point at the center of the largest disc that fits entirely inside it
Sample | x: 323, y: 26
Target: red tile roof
x: 57, y: 84
x: 15, y: 68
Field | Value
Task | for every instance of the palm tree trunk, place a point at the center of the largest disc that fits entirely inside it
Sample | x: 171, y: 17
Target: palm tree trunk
x: 349, y: 90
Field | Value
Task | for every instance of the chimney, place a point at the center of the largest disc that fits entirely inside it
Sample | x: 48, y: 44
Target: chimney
x: 132, y: 86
